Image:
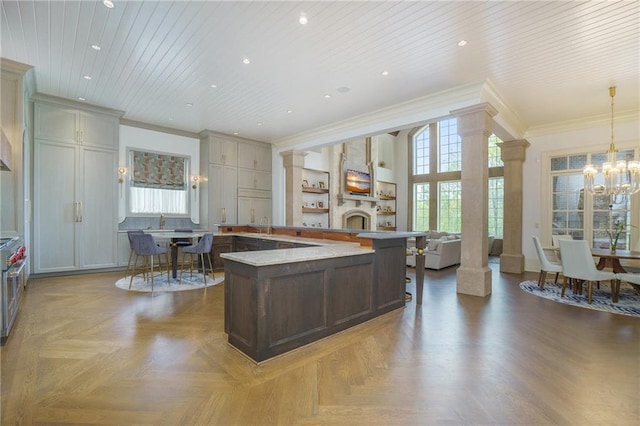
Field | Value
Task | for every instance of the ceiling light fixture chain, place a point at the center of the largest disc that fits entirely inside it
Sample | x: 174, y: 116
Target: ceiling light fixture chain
x: 621, y: 177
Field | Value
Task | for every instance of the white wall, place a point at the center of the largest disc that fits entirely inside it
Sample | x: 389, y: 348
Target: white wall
x: 149, y: 140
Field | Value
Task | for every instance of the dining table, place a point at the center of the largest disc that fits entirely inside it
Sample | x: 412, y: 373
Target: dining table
x: 611, y: 259
x: 174, y: 238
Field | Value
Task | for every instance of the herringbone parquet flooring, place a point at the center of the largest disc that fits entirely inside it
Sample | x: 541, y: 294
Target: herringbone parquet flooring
x: 84, y: 352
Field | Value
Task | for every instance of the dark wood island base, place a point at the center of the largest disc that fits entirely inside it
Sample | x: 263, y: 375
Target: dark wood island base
x: 296, y: 296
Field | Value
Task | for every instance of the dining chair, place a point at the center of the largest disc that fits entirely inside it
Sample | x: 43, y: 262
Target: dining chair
x: 202, y: 248
x: 627, y: 277
x: 555, y: 239
x: 546, y: 265
x: 144, y: 245
x: 131, y: 251
x: 578, y: 265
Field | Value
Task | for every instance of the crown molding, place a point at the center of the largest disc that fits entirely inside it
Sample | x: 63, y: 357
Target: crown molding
x: 408, y: 114
x: 75, y: 104
x: 582, y: 123
x: 156, y: 128
x: 206, y: 133
x: 507, y: 118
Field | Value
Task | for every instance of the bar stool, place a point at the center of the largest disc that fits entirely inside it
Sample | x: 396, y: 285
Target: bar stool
x: 201, y: 248
x: 131, y: 251
x: 144, y: 245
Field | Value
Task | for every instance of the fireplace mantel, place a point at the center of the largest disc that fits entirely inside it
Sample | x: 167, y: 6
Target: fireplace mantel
x: 357, y: 198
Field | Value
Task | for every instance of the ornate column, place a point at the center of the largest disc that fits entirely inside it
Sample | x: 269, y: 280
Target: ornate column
x: 293, y: 162
x: 474, y: 128
x: 513, y: 156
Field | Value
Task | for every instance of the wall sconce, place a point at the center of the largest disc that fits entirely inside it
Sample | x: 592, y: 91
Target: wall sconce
x: 121, y: 172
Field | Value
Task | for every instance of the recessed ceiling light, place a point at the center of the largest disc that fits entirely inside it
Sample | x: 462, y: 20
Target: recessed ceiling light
x: 189, y: 104
x: 170, y: 118
x: 303, y: 20
x: 214, y: 86
x: 385, y: 73
x: 259, y: 123
x: 327, y: 96
x: 86, y: 77
x: 108, y: 3
x: 246, y: 61
x: 80, y: 98
x: 462, y: 43
x: 235, y: 133
x: 95, y: 47
x: 289, y: 111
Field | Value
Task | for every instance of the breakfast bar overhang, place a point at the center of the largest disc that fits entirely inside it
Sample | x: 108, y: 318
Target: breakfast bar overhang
x: 279, y: 300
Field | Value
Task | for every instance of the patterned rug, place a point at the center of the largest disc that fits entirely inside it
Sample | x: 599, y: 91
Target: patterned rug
x: 160, y: 282
x: 629, y: 303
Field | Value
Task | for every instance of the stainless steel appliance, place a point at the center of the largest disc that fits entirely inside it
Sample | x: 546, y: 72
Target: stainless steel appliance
x: 13, y: 281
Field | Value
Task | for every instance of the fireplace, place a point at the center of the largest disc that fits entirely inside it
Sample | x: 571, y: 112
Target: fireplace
x: 356, y: 219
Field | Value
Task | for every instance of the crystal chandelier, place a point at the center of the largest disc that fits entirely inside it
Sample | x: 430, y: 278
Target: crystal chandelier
x: 621, y: 177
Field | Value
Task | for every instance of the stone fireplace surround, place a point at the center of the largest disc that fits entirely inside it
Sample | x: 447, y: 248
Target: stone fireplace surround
x: 346, y: 211
x: 353, y: 212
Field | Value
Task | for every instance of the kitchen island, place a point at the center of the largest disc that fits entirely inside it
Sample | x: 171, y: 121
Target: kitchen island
x: 278, y: 300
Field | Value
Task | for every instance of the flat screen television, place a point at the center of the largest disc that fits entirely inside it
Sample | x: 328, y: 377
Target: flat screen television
x: 358, y: 183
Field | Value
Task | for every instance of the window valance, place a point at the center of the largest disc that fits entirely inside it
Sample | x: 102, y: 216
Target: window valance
x: 153, y: 170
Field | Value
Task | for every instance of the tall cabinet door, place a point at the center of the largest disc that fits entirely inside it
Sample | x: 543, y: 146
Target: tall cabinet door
x: 98, y: 191
x: 223, y: 194
x: 55, y: 208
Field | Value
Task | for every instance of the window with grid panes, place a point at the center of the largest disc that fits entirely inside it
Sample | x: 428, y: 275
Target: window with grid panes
x: 450, y: 206
x: 446, y: 157
x: 449, y: 146
x: 583, y: 215
x: 421, y: 210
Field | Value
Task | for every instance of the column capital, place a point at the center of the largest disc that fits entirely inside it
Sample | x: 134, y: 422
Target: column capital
x: 513, y: 150
x: 475, y: 119
x: 293, y: 158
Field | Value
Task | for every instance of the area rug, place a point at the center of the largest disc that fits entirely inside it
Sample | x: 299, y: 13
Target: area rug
x: 160, y: 283
x: 628, y: 304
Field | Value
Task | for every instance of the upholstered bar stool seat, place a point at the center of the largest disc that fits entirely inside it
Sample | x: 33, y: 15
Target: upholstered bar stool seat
x: 202, y: 248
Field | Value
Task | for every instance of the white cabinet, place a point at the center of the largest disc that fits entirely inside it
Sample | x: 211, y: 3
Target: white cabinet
x: 254, y: 179
x: 254, y: 156
x: 75, y: 207
x: 75, y: 204
x: 223, y: 194
x: 252, y: 209
x: 237, y: 187
x: 62, y: 124
x: 222, y: 151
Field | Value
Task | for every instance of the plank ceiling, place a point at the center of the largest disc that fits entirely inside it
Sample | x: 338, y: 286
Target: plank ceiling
x: 551, y: 61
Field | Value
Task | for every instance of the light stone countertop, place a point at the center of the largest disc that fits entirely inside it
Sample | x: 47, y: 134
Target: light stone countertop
x: 292, y: 255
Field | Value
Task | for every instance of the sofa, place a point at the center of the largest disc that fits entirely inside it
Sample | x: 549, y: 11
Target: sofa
x: 440, y: 253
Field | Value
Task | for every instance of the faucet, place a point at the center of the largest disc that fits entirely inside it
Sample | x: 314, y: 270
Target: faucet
x: 161, y: 221
x: 261, y: 223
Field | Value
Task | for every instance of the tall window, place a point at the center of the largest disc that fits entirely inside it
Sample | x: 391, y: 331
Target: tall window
x: 436, y: 175
x: 421, y: 154
x: 580, y: 214
x: 449, y: 146
x: 450, y: 206
x: 496, y: 206
x: 421, y: 197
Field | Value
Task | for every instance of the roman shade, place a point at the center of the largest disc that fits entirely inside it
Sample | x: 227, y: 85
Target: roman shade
x: 162, y: 171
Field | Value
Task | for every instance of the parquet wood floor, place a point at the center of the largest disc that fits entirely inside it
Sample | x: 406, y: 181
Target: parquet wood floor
x: 85, y: 352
